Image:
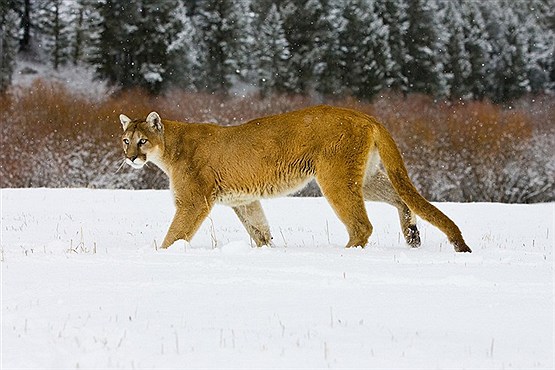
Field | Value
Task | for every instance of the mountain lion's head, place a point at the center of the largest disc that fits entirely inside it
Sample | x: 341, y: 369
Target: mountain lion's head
x: 142, y: 140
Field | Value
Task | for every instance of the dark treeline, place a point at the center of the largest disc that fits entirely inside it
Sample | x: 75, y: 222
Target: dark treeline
x: 457, y: 49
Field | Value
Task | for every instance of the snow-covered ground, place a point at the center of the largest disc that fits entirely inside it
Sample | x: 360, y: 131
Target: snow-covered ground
x: 83, y: 286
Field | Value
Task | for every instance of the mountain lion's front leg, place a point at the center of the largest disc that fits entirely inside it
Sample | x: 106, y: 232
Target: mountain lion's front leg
x: 188, y: 217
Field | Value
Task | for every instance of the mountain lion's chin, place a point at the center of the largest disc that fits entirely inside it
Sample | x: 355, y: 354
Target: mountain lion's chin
x: 137, y: 165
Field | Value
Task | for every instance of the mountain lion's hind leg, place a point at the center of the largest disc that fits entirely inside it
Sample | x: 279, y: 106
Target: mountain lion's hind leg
x: 377, y: 187
x: 344, y: 193
x: 252, y: 217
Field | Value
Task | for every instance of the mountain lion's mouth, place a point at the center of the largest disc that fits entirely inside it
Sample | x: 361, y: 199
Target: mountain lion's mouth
x: 137, y: 164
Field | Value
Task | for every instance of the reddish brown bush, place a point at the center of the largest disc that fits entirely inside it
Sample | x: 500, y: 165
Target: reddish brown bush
x: 467, y: 151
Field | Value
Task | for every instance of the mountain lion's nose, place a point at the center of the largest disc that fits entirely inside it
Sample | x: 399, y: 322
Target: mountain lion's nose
x: 133, y: 158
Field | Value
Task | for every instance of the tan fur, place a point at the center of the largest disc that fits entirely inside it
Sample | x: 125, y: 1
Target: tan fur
x: 277, y: 155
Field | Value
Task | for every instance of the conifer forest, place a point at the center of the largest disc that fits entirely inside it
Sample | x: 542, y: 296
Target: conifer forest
x: 465, y: 86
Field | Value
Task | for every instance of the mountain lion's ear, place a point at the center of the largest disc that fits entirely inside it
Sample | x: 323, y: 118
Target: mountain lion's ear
x: 125, y: 121
x: 154, y: 120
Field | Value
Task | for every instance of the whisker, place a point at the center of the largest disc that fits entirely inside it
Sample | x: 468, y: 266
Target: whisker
x: 120, y: 166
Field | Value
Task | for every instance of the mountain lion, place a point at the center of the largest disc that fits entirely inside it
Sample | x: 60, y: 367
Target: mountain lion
x: 278, y: 155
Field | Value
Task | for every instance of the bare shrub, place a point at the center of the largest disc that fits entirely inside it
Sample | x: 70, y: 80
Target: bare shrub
x: 466, y: 151
x: 474, y: 151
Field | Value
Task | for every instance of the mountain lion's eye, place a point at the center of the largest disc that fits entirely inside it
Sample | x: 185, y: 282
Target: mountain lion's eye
x: 142, y: 142
x: 126, y: 141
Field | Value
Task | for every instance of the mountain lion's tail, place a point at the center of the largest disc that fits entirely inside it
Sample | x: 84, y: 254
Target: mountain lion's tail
x: 397, y: 173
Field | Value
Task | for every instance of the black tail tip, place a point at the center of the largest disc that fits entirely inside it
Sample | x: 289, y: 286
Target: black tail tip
x: 461, y: 247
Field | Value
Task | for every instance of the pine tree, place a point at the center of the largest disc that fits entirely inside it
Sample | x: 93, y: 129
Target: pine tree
x: 350, y: 36
x: 156, y: 26
x: 547, y: 10
x: 509, y: 75
x: 114, y: 25
x: 8, y: 44
x: 184, y: 68
x: 326, y: 49
x: 25, y: 40
x: 301, y: 23
x: 457, y: 59
x: 132, y: 42
x: 539, y: 41
x: 394, y: 16
x: 424, y: 67
x: 79, y: 25
x: 478, y: 46
x: 244, y: 20
x: 366, y: 56
x: 54, y: 29
x: 226, y: 40
x: 272, y: 54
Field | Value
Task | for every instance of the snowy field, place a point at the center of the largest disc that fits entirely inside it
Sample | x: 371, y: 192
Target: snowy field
x: 84, y: 286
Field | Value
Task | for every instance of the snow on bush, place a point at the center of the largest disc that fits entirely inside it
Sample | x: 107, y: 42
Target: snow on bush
x: 468, y: 151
